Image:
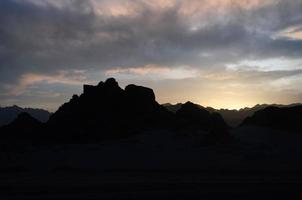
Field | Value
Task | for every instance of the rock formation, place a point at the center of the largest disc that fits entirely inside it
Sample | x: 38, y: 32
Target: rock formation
x: 284, y: 118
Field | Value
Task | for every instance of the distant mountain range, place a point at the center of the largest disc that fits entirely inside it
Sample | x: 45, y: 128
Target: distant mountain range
x: 107, y: 127
x: 232, y: 117
x: 106, y: 111
x: 8, y: 114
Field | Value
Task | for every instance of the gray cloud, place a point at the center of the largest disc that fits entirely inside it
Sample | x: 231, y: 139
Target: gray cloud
x: 44, y: 38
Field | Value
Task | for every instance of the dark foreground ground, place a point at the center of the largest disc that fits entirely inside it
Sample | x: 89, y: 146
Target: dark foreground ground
x: 259, y: 164
x: 151, y: 185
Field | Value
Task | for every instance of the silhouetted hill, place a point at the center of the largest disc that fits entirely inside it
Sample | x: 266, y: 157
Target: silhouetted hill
x: 194, y: 116
x: 282, y: 118
x: 235, y: 117
x: 8, y: 114
x: 232, y: 117
x: 23, y: 126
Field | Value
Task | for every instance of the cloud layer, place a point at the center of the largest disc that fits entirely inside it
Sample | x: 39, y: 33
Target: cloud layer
x: 50, y: 41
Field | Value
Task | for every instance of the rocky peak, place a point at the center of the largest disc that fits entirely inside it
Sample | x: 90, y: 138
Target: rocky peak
x: 139, y: 93
x: 111, y: 82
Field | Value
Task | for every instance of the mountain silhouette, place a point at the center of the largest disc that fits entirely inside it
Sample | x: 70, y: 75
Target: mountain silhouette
x: 194, y: 116
x: 107, y: 111
x: 231, y: 116
x: 8, y: 114
x: 106, y: 108
x: 108, y: 129
x: 282, y: 118
x: 24, y: 126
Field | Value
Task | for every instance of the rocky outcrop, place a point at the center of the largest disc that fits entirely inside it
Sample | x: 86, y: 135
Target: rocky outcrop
x: 107, y: 108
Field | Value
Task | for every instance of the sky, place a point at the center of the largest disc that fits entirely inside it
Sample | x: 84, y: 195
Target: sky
x: 219, y: 53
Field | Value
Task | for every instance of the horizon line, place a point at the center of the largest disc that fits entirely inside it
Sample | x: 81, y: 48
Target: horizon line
x: 216, y: 108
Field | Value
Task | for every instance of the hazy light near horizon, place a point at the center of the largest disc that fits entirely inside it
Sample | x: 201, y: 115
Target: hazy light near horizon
x: 219, y: 53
